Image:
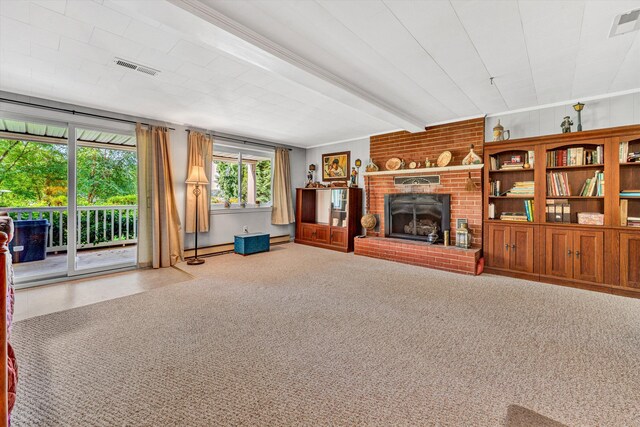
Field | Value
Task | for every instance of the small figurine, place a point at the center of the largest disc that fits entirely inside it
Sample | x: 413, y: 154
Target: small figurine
x: 354, y: 177
x: 566, y: 125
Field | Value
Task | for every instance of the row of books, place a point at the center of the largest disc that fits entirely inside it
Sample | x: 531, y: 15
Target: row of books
x: 494, y: 188
x: 575, y: 157
x: 515, y: 161
x: 513, y: 216
x: 626, y: 156
x: 522, y: 188
x: 593, y: 186
x: 558, y: 184
x: 527, y: 215
x: 627, y: 221
x: 558, y: 210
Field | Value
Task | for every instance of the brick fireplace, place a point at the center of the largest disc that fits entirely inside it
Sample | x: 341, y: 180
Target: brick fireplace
x: 456, y: 138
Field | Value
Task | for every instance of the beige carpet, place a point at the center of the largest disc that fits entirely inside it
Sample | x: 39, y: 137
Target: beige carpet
x: 305, y: 336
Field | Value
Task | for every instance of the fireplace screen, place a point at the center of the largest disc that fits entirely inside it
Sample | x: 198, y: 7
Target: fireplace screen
x: 417, y: 216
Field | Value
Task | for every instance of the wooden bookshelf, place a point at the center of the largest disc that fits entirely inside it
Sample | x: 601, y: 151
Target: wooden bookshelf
x: 598, y: 257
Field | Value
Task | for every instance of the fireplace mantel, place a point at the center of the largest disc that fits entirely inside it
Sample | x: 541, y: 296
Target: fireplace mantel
x: 425, y: 170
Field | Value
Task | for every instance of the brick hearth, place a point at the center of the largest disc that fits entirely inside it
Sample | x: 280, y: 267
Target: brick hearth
x: 456, y: 138
x: 419, y: 253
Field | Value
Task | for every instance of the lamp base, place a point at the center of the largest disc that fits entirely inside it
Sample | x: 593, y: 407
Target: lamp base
x: 195, y: 261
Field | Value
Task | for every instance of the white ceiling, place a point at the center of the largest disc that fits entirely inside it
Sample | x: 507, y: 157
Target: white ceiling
x: 309, y: 72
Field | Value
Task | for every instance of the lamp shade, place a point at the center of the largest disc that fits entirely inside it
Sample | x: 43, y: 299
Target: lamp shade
x: 197, y: 176
x: 578, y: 107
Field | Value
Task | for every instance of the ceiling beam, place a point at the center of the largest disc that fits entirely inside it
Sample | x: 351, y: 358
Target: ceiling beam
x: 250, y: 46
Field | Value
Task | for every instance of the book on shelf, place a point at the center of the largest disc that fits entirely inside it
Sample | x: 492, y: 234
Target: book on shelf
x: 492, y: 210
x: 593, y: 186
x: 513, y: 216
x: 625, y: 156
x: 558, y: 210
x: 495, y: 188
x: 633, y: 221
x: 522, y: 188
x: 493, y: 163
x: 531, y: 158
x: 624, y: 207
x: 630, y: 193
x: 528, y: 206
x: 578, y: 156
x: 558, y: 184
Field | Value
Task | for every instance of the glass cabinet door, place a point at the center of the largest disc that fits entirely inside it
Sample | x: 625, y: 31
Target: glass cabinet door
x: 339, y: 207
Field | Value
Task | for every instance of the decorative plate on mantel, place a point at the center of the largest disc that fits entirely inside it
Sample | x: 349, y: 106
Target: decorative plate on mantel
x: 444, y: 159
x: 393, y: 164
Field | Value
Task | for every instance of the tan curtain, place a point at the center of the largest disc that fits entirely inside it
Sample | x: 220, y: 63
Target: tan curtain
x: 167, y: 240
x: 145, y: 241
x: 282, y: 211
x: 200, y: 152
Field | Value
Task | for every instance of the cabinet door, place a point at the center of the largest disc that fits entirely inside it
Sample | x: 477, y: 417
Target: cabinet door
x: 588, y: 262
x: 339, y: 236
x: 559, y: 253
x: 498, y: 247
x: 322, y: 234
x: 307, y: 231
x: 630, y: 260
x: 521, y: 251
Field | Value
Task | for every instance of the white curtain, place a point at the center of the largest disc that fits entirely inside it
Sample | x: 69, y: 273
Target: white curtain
x: 282, y: 211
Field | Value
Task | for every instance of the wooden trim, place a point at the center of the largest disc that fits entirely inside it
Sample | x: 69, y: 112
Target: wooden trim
x: 567, y: 138
x: 4, y: 373
x: 425, y: 170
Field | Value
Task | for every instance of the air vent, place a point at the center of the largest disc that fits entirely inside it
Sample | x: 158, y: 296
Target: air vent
x: 417, y: 180
x: 625, y: 23
x: 137, y: 67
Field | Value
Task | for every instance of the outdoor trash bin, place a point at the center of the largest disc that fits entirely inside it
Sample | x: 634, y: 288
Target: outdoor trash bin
x: 30, y: 240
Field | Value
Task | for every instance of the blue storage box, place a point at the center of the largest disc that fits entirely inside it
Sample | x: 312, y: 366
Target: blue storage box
x: 251, y: 243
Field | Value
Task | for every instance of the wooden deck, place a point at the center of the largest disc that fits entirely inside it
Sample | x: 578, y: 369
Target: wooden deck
x: 56, y: 264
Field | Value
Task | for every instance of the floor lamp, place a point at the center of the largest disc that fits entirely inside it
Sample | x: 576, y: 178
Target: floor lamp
x: 197, y: 177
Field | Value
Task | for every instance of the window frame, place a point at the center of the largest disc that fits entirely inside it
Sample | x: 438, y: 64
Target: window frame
x: 218, y: 208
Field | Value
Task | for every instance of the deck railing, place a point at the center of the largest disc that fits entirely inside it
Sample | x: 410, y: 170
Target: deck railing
x: 97, y: 226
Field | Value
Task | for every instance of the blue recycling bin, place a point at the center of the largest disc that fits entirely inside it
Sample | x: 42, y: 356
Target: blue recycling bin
x: 29, y: 240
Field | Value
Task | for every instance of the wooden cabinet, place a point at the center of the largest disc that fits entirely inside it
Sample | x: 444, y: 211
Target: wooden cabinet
x: 497, y: 249
x: 511, y: 247
x: 338, y: 236
x: 580, y: 172
x: 559, y: 252
x: 630, y: 260
x: 521, y: 251
x: 574, y: 254
x: 328, y: 217
x: 588, y: 263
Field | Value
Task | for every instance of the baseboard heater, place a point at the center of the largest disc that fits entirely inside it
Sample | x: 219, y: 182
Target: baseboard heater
x: 228, y: 247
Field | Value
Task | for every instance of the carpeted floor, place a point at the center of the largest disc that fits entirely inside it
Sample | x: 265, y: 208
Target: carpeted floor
x: 305, y: 336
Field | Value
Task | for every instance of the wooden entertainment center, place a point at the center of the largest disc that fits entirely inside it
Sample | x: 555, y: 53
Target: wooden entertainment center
x: 328, y: 217
x: 599, y: 257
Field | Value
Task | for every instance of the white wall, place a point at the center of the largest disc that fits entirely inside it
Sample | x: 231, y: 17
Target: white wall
x: 597, y: 114
x: 223, y: 226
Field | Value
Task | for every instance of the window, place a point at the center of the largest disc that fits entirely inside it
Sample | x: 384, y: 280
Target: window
x: 240, y: 178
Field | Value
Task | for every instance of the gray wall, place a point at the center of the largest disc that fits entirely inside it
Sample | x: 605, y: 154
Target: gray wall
x: 223, y: 226
x: 359, y: 150
x: 597, y: 114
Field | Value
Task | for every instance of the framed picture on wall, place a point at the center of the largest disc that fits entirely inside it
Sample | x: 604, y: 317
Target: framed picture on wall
x: 336, y: 166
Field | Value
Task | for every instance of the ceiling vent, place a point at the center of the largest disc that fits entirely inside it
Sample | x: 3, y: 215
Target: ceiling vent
x: 137, y: 67
x: 625, y: 23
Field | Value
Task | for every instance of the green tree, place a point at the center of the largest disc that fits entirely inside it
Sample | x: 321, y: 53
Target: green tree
x: 263, y: 181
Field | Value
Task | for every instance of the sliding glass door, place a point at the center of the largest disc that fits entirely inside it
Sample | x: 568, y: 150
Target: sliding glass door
x: 72, y: 193
x: 106, y: 211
